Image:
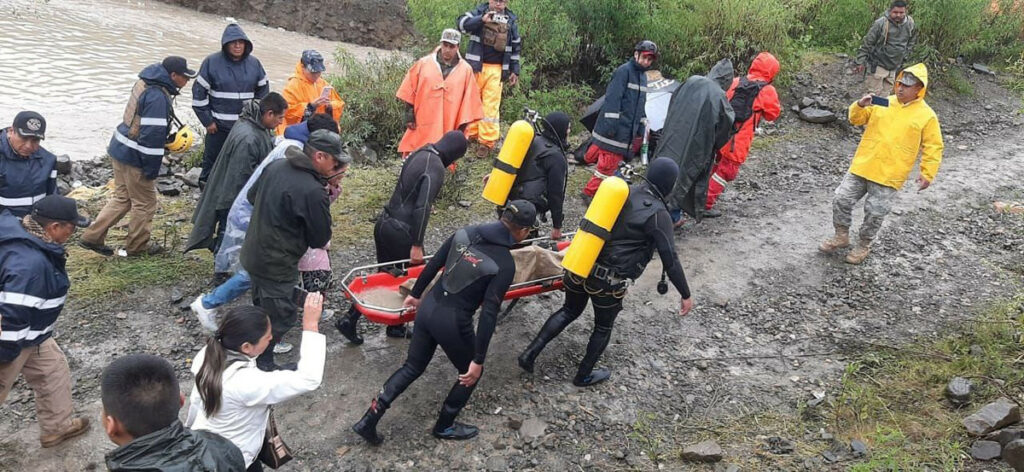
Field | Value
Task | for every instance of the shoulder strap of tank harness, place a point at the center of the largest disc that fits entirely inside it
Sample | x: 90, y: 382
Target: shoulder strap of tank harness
x: 593, y: 228
x: 505, y: 167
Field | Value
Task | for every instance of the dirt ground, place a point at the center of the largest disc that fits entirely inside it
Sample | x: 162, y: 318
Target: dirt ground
x: 773, y: 324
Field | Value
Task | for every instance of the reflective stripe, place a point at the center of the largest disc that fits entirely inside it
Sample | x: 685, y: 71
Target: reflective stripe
x: 232, y: 95
x: 491, y: 120
x: 609, y: 141
x: 53, y: 174
x: 153, y: 122
x: 717, y: 178
x: 504, y: 67
x: 462, y: 25
x: 22, y: 201
x: 224, y: 116
x: 600, y: 175
x: 200, y: 103
x: 202, y: 81
x: 262, y: 82
x: 21, y: 299
x: 515, y: 57
x: 638, y: 87
x: 613, y: 116
x: 508, y: 48
x: 136, y: 146
x: 474, y: 37
x: 27, y: 334
x: 517, y: 40
x: 472, y: 57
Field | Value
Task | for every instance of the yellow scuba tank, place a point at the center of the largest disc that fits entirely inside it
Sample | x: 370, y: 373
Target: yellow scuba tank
x: 506, y: 166
x: 596, y: 226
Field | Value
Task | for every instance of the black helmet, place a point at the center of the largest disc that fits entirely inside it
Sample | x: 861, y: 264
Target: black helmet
x: 646, y: 46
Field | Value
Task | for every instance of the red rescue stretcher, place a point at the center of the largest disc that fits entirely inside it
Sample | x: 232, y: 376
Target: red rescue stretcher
x: 365, y: 286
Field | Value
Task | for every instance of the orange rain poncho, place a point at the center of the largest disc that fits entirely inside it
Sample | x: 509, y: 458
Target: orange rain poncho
x: 440, y: 104
x: 300, y: 92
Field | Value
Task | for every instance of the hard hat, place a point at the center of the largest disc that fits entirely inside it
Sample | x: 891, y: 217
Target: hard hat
x: 180, y: 140
x: 646, y: 47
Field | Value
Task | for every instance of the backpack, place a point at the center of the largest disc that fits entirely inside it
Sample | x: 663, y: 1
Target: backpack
x: 743, y: 100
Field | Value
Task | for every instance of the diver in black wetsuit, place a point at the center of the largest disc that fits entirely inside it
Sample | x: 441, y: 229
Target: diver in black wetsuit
x: 402, y: 225
x: 478, y: 270
x: 643, y: 226
x: 541, y: 180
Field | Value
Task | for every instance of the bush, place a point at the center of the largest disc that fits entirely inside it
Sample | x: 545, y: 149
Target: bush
x: 373, y: 115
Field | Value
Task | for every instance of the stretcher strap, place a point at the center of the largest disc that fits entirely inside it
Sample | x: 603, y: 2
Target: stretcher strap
x: 593, y: 228
x: 503, y: 166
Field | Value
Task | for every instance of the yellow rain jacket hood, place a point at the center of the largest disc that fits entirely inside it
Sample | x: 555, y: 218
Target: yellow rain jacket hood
x: 894, y: 135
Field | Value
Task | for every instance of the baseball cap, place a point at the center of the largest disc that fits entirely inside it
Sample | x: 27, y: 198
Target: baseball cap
x: 178, y: 65
x: 521, y: 212
x: 908, y: 79
x: 313, y: 61
x: 30, y: 124
x: 60, y: 208
x: 328, y: 141
x: 451, y: 36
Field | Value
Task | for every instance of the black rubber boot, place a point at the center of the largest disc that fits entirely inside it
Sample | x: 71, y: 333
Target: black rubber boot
x: 398, y: 331
x: 712, y: 213
x: 587, y: 375
x: 595, y: 377
x: 447, y: 428
x: 552, y: 328
x: 265, y: 361
x: 347, y: 326
x: 367, y: 426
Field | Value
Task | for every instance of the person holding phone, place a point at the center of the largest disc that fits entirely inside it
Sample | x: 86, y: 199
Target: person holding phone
x: 231, y: 396
x: 308, y: 93
x: 893, y: 137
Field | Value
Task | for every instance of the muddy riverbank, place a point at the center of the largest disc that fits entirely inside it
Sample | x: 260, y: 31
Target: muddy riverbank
x: 774, y: 323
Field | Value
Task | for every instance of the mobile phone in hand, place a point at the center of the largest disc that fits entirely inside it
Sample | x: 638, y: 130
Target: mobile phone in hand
x: 326, y: 92
x: 299, y: 296
x: 879, y: 101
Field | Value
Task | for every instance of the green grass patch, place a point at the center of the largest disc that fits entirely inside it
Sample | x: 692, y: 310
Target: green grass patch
x: 955, y: 80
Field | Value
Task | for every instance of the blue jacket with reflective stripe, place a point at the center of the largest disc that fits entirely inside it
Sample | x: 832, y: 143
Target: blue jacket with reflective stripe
x: 33, y: 284
x: 146, y: 151
x: 623, y: 109
x: 223, y: 84
x: 24, y: 181
x: 472, y: 23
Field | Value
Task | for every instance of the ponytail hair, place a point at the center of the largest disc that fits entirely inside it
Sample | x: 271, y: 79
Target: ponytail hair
x: 242, y: 324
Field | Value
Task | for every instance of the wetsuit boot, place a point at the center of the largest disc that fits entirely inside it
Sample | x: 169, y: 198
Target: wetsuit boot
x: 401, y: 331
x: 347, y: 326
x: 447, y: 428
x: 367, y: 425
x: 552, y: 328
x: 587, y: 375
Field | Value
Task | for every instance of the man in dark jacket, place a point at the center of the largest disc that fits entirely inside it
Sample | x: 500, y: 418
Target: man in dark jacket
x: 699, y: 123
x: 541, y: 178
x: 642, y: 227
x: 402, y: 226
x: 249, y: 141
x: 137, y: 151
x: 493, y: 52
x: 141, y: 399
x: 621, y: 118
x: 33, y: 286
x: 291, y: 213
x: 226, y: 79
x: 885, y: 48
x: 478, y: 269
x: 27, y: 171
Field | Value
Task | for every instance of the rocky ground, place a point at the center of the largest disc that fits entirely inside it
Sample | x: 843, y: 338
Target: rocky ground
x: 773, y: 327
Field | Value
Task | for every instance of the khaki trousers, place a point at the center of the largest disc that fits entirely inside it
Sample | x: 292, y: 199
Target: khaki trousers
x: 46, y: 370
x: 881, y: 82
x: 133, y: 193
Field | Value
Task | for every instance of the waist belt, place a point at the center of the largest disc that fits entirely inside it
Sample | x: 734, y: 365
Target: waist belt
x: 609, y: 276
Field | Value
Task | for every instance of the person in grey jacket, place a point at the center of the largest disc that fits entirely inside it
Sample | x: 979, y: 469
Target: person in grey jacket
x: 885, y: 48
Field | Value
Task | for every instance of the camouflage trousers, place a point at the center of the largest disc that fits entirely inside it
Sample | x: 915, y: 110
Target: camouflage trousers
x: 877, y: 204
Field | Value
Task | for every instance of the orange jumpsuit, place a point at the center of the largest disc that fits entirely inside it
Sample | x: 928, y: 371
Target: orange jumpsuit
x: 441, y: 104
x: 300, y: 92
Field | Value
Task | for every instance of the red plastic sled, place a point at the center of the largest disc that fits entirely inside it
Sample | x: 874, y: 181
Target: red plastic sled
x: 362, y: 282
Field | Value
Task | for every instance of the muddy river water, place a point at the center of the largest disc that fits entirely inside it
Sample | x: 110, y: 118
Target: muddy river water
x: 75, y: 61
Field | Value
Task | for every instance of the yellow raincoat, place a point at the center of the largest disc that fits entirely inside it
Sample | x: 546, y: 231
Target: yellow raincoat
x: 894, y: 135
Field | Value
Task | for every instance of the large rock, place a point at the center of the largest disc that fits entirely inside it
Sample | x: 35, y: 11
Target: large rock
x: 1007, y: 435
x: 991, y: 417
x: 817, y: 115
x: 985, y: 450
x: 807, y: 102
x: 191, y: 178
x: 982, y: 69
x: 533, y: 428
x: 705, y: 451
x: 169, y: 188
x: 958, y: 391
x: 63, y: 164
x: 1013, y: 454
